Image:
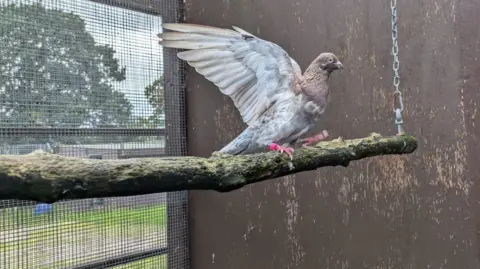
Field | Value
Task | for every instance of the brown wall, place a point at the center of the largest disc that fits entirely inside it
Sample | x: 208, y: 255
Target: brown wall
x: 417, y: 211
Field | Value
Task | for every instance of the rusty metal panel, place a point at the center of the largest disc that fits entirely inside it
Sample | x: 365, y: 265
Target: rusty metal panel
x: 416, y: 211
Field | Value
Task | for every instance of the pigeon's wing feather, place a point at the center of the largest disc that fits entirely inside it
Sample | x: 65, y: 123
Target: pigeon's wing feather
x: 253, y: 72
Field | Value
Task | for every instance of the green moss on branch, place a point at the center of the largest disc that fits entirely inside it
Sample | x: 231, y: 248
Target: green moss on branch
x: 45, y: 177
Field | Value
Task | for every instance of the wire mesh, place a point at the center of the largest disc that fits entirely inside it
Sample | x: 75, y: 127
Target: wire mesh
x: 175, y: 110
x: 86, y: 79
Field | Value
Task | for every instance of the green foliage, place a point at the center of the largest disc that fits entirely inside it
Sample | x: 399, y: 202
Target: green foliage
x: 53, y: 74
x: 156, y: 97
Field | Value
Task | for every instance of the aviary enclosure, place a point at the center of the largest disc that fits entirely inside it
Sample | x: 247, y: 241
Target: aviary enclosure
x: 88, y: 79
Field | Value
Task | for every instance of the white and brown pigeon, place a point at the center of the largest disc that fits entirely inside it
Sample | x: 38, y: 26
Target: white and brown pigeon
x: 275, y: 100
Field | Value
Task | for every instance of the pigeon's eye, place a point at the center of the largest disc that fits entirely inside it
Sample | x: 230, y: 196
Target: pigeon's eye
x: 330, y: 60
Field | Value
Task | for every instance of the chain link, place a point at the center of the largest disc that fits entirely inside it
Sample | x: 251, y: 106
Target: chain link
x: 397, y: 95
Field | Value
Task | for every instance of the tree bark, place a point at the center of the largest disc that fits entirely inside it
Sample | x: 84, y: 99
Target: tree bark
x: 45, y: 177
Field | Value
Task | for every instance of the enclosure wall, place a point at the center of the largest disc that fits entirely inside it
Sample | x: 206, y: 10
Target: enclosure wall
x: 416, y: 211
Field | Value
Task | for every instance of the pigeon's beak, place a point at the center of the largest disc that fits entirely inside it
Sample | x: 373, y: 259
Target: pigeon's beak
x: 339, y: 65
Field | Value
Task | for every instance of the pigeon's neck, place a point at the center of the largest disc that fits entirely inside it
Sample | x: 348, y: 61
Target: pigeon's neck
x: 315, y: 83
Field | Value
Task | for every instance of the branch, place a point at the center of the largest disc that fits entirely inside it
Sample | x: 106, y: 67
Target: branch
x: 46, y: 177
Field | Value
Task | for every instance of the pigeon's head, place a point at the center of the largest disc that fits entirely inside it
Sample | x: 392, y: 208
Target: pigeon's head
x: 329, y: 62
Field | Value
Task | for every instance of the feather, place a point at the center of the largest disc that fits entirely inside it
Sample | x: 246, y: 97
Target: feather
x: 243, y: 32
x: 262, y: 80
x: 196, y: 28
x: 222, y: 54
x: 204, y: 54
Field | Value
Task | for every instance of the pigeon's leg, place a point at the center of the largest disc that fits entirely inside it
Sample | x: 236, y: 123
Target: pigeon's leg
x: 277, y: 147
x: 314, y: 139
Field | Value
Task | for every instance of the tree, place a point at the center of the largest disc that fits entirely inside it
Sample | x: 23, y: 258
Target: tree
x: 53, y: 74
x: 156, y: 97
x: 49, y: 178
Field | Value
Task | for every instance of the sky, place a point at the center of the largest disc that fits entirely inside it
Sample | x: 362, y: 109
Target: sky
x: 132, y: 34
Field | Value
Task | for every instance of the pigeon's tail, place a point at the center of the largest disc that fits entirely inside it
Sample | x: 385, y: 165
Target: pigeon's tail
x: 193, y: 36
x: 242, y: 144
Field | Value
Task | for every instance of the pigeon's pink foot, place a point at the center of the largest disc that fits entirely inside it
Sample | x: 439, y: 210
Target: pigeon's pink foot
x: 314, y: 139
x: 277, y: 147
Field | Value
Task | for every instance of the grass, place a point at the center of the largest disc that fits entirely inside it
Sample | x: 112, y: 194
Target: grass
x: 15, y: 218
x: 66, y: 237
x: 157, y: 262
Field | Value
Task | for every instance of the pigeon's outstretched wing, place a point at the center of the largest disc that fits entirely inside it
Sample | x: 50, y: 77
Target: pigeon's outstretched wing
x: 253, y: 72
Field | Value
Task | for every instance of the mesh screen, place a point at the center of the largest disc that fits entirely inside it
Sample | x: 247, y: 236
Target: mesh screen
x: 86, y: 79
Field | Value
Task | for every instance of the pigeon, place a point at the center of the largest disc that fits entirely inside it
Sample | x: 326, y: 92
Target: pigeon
x: 277, y: 102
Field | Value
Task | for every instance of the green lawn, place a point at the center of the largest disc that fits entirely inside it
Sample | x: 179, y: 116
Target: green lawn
x: 23, y: 217
x: 67, y: 237
x: 157, y: 262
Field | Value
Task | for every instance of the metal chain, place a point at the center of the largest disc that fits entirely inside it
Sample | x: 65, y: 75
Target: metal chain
x: 397, y: 95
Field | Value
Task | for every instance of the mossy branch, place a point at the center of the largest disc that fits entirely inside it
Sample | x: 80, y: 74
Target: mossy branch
x: 46, y: 177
